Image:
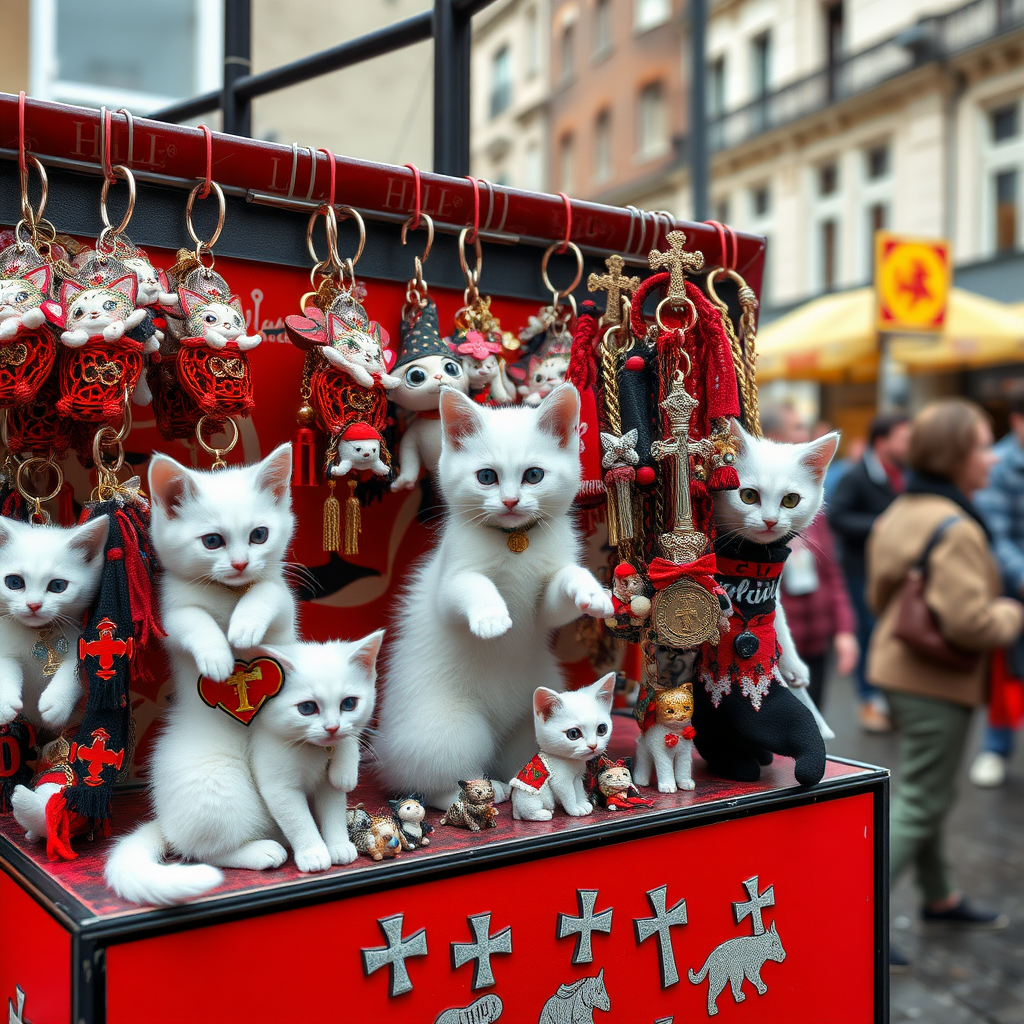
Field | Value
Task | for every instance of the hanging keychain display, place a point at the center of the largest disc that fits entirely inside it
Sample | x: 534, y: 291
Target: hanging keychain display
x: 203, y: 378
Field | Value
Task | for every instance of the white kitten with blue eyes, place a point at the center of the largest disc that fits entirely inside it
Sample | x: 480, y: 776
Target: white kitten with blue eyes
x: 473, y: 636
x: 570, y: 729
x: 304, y: 745
x: 48, y: 578
x: 221, y: 538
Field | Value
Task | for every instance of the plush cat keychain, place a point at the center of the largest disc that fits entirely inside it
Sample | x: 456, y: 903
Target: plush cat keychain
x: 345, y: 380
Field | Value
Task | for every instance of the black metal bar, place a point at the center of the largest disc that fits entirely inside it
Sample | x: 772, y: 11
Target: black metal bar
x: 452, y: 42
x: 373, y: 44
x: 188, y: 109
x: 698, y: 141
x: 237, y: 110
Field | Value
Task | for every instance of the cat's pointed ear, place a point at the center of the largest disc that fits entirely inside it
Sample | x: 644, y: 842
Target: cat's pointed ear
x: 68, y: 290
x: 545, y: 702
x: 91, y: 538
x: 278, y: 654
x: 741, y: 437
x: 367, y: 649
x: 190, y: 300
x: 460, y: 418
x: 236, y: 304
x: 5, y: 533
x: 127, y: 285
x: 818, y: 454
x: 275, y: 471
x: 560, y: 414
x: 40, y: 277
x: 170, y: 484
x: 604, y: 689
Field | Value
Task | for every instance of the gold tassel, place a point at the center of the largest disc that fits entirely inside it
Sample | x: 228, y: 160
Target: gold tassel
x: 332, y: 520
x: 612, y: 518
x: 353, y: 520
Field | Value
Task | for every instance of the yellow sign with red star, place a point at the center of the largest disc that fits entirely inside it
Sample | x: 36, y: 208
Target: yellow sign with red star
x: 912, y: 282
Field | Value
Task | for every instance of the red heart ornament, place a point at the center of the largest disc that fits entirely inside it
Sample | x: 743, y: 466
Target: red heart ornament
x: 250, y: 685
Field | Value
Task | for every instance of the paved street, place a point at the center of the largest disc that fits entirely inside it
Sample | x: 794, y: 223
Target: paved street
x: 956, y: 978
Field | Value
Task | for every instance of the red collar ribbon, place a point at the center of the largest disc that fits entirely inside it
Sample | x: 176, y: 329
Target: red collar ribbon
x: 661, y: 572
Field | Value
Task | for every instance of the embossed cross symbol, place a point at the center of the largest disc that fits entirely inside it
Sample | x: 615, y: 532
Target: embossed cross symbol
x: 678, y: 262
x: 585, y: 925
x: 752, y: 908
x: 394, y: 954
x: 481, y: 950
x: 614, y: 283
x: 660, y: 925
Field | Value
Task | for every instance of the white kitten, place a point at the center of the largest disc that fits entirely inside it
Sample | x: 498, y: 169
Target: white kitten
x: 221, y: 538
x: 665, y: 747
x: 543, y: 379
x: 48, y: 578
x: 472, y: 638
x: 21, y: 301
x: 104, y: 312
x: 571, y: 728
x: 304, y: 745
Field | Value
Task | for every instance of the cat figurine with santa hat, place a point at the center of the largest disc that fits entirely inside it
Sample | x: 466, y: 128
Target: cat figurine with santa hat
x: 359, y: 449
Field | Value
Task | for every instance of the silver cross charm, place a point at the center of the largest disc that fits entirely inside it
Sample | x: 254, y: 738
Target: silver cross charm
x: 481, y: 950
x: 659, y: 925
x: 585, y: 925
x: 394, y: 953
x: 752, y: 908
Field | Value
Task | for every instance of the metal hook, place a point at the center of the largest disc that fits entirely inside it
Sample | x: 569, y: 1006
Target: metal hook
x: 130, y: 121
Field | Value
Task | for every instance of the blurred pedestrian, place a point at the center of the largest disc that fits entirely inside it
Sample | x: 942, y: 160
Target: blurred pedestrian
x: 860, y: 497
x: 932, y: 696
x: 1002, y: 506
x: 813, y: 594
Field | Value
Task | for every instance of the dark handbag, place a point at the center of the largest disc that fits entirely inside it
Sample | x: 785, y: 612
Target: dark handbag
x: 916, y: 625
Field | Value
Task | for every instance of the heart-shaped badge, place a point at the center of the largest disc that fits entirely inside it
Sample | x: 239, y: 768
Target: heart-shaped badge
x: 246, y: 690
x: 307, y: 331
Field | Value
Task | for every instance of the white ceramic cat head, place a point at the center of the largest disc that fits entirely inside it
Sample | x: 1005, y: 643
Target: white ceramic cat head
x: 149, y: 283
x: 92, y: 309
x: 48, y: 572
x: 508, y: 467
x: 354, y: 456
x: 328, y: 693
x: 577, y: 724
x: 781, y: 487
x: 420, y: 382
x: 543, y: 378
x: 229, y: 526
x: 21, y: 294
x: 480, y: 372
x: 213, y: 320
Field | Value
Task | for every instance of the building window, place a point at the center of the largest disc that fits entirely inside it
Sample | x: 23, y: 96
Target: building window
x: 1006, y: 210
x: 602, y: 28
x: 566, y: 169
x: 532, y: 48
x: 603, y: 147
x: 649, y: 14
x: 878, y: 219
x: 501, y: 81
x: 829, y: 253
x: 760, y: 201
x: 93, y: 54
x: 761, y: 65
x: 533, y: 168
x: 652, y: 137
x: 716, y: 88
x: 721, y: 208
x: 876, y: 162
x: 828, y: 179
x: 1005, y: 122
x: 566, y: 53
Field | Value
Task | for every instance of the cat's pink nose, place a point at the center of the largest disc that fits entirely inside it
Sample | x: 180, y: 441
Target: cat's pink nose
x: 769, y: 524
x: 438, y: 376
x: 331, y: 729
x: 34, y: 606
x: 510, y: 503
x: 239, y: 566
x: 593, y: 746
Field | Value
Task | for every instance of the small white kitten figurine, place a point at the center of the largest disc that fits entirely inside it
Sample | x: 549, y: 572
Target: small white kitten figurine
x: 105, y: 312
x: 21, y: 301
x: 482, y: 364
x: 217, y: 323
x: 359, y: 449
x: 667, y: 746
x: 543, y: 377
x: 304, y: 745
x: 571, y: 728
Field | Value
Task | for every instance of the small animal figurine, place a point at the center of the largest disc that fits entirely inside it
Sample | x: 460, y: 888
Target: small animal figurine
x: 151, y: 283
x: 409, y: 813
x: 474, y: 809
x: 736, y: 960
x: 374, y: 835
x: 628, y: 597
x: 610, y: 785
x: 358, y: 450
x: 571, y: 728
x: 217, y: 323
x: 480, y: 359
x: 543, y: 377
x: 667, y: 746
x: 106, y: 312
x: 355, y: 344
x: 21, y: 301
x: 576, y: 1002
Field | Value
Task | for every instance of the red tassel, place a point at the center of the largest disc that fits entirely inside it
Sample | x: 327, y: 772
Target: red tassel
x: 582, y: 369
x: 304, y: 460
x: 66, y: 505
x: 58, y: 829
x: 140, y: 593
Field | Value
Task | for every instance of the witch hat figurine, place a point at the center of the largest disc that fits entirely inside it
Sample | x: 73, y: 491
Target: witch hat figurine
x: 425, y: 365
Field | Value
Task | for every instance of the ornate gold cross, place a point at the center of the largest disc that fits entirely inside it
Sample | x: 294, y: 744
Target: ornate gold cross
x: 614, y: 283
x: 240, y: 681
x: 678, y: 262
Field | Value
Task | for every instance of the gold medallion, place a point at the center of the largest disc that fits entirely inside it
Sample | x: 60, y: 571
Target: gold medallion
x: 518, y: 542
x: 685, y: 615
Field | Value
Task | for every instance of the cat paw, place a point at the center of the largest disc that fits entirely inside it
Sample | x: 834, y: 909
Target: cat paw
x: 56, y: 706
x: 667, y: 787
x: 216, y: 664
x: 314, y: 858
x: 265, y: 855
x: 590, y: 597
x: 687, y: 784
x: 343, y: 852
x: 242, y: 636
x: 490, y: 622
x: 580, y: 810
x: 74, y: 339
x: 113, y: 331
x: 403, y: 483
x: 10, y: 706
x: 793, y: 671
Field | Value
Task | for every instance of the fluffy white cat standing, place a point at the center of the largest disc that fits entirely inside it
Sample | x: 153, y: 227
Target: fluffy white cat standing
x: 304, y: 745
x: 570, y: 729
x: 221, y: 538
x: 48, y: 578
x: 473, y: 636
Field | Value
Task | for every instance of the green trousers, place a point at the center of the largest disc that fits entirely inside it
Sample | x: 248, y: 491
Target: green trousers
x: 933, y: 734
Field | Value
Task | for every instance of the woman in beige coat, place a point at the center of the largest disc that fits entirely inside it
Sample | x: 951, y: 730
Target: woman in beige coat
x: 932, y: 702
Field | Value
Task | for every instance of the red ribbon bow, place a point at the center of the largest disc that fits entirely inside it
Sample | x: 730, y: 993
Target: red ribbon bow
x: 661, y: 572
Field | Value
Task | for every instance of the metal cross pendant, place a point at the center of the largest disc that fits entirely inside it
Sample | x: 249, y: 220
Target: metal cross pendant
x: 663, y: 920
x: 752, y: 908
x: 481, y: 950
x: 393, y: 955
x: 678, y: 262
x: 614, y: 283
x: 585, y: 925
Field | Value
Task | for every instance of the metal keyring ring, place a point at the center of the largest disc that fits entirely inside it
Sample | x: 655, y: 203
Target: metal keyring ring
x: 37, y: 460
x: 575, y: 250
x: 217, y: 453
x: 331, y: 261
x: 28, y: 214
x: 345, y: 212
x: 407, y: 224
x: 720, y: 272
x: 105, y: 191
x: 472, y: 276
x: 673, y: 303
x: 219, y: 193
x: 97, y: 453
